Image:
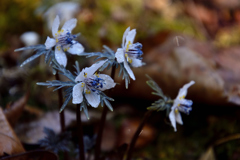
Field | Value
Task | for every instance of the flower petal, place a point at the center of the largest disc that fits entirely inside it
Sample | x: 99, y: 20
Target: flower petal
x: 89, y: 70
x: 127, y: 67
x: 77, y: 94
x: 178, y: 117
x: 50, y: 42
x: 76, y: 48
x: 130, y: 36
x: 60, y: 56
x: 93, y: 99
x: 55, y: 26
x: 172, y: 119
x: 136, y: 62
x: 69, y: 25
x: 108, y: 82
x: 183, y: 91
x: 124, y: 36
x: 120, y: 55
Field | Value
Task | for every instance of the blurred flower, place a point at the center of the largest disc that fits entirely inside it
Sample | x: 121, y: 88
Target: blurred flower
x: 63, y: 40
x: 65, y: 10
x: 30, y: 38
x: 89, y: 84
x: 130, y: 53
x: 180, y: 104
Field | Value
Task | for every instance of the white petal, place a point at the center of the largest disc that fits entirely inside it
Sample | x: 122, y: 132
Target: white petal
x: 183, y: 90
x: 108, y: 82
x: 119, y: 55
x: 93, y: 99
x: 77, y: 94
x: 136, y: 62
x: 89, y: 70
x: 55, y: 25
x: 76, y: 48
x: 124, y: 36
x: 60, y: 56
x: 172, y: 119
x: 69, y: 25
x: 178, y: 117
x: 50, y: 42
x: 130, y: 36
x: 127, y: 67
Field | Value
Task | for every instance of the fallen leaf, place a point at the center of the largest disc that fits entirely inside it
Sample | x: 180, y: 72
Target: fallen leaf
x: 9, y: 142
x: 14, y: 111
x: 208, y: 155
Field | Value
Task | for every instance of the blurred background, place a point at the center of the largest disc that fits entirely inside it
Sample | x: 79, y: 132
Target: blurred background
x: 182, y: 40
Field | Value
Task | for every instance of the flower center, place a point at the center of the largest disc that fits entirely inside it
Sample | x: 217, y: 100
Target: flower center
x: 133, y: 51
x: 64, y: 40
x: 92, y: 83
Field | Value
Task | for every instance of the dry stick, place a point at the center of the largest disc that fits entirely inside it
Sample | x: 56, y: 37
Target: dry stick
x: 137, y: 133
x: 102, y: 123
x: 80, y: 134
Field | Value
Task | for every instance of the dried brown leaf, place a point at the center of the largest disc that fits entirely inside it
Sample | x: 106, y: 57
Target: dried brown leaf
x: 9, y: 142
x: 14, y: 111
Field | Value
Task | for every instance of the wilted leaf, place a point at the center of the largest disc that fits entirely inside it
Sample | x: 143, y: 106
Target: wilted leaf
x: 36, y: 155
x: 9, y: 142
x: 13, y: 111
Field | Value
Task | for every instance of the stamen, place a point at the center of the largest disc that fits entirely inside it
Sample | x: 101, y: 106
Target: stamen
x: 83, y: 84
x: 182, y: 97
x: 88, y: 92
x: 56, y: 40
x: 85, y: 75
x: 127, y: 48
x: 176, y: 111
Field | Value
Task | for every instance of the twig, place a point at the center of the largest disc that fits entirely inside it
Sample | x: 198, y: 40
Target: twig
x: 137, y: 133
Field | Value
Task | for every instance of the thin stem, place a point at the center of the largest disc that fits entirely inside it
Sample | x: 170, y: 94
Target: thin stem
x: 62, y: 116
x: 60, y: 103
x: 137, y: 133
x: 102, y: 123
x: 80, y: 134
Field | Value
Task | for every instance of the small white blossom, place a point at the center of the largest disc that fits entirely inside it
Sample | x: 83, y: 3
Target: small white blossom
x: 66, y: 11
x: 89, y: 83
x: 30, y: 38
x: 63, y: 40
x: 180, y: 105
x: 130, y: 53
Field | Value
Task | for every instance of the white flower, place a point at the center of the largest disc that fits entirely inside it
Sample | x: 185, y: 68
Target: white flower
x: 89, y: 83
x: 30, y: 38
x: 180, y: 105
x: 130, y: 53
x: 63, y: 40
x: 66, y: 11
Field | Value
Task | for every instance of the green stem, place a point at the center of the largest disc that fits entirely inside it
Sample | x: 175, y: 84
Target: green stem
x: 102, y: 124
x: 80, y: 134
x: 137, y: 133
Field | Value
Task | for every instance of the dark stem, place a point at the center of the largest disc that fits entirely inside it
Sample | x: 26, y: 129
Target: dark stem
x: 80, y: 134
x: 62, y: 117
x: 137, y: 133
x: 102, y: 123
x: 60, y: 103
